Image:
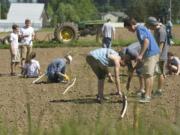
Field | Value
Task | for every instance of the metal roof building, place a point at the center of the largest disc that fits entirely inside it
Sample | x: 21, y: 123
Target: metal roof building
x: 18, y: 12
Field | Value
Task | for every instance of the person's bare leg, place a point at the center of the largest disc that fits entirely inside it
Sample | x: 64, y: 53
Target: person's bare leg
x: 100, y: 88
x: 12, y: 67
x: 15, y: 66
x: 141, y: 83
x: 160, y: 82
x: 148, y: 86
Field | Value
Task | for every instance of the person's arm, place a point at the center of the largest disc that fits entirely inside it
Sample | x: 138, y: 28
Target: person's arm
x: 12, y: 50
x: 113, y: 33
x: 33, y: 34
x: 130, y: 75
x: 143, y: 49
x: 161, y: 46
x: 178, y: 69
x: 39, y: 68
x: 116, y: 60
x: 162, y: 38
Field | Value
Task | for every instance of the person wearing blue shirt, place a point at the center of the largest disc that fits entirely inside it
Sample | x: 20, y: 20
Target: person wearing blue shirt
x: 149, y: 54
x: 56, y: 69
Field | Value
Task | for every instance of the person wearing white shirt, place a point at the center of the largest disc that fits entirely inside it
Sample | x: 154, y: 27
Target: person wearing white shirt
x: 108, y: 32
x: 15, y: 56
x: 31, y: 67
x: 26, y: 37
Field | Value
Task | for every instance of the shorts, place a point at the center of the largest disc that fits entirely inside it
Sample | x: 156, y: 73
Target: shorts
x: 151, y: 66
x: 16, y: 57
x: 106, y: 42
x: 25, y: 51
x: 100, y: 70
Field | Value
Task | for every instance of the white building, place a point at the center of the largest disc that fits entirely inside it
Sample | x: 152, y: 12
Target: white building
x: 30, y: 1
x: 18, y: 12
x: 114, y: 16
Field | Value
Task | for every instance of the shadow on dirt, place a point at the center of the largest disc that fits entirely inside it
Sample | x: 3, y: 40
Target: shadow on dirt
x: 83, y: 101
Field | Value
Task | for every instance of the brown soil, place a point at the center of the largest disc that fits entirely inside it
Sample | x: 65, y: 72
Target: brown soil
x: 49, y: 106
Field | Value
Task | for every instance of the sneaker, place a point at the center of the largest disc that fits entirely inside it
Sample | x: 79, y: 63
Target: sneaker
x: 145, y: 100
x: 172, y: 42
x: 140, y: 93
x: 157, y: 93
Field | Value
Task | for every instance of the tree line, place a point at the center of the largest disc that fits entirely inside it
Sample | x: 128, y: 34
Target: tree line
x: 81, y: 10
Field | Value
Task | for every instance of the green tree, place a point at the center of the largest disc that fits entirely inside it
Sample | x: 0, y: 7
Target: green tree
x: 4, y: 6
x: 175, y: 9
x: 86, y: 9
x: 71, y: 10
x: 137, y: 9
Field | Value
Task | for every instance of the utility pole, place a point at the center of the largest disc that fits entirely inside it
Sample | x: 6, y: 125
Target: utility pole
x: 170, y: 7
x: 0, y: 10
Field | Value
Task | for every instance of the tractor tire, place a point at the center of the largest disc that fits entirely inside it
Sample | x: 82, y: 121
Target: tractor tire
x: 66, y: 32
x: 6, y: 40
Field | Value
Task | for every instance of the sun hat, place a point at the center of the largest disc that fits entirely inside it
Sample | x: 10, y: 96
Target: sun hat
x: 152, y: 21
x: 69, y: 58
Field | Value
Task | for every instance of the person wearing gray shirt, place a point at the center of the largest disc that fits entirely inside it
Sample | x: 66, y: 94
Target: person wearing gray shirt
x: 161, y: 38
x: 131, y: 53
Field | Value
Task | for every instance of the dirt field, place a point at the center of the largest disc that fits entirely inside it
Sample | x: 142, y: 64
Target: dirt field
x: 49, y: 106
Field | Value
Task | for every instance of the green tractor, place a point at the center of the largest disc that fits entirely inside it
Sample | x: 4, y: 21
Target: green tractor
x: 67, y: 32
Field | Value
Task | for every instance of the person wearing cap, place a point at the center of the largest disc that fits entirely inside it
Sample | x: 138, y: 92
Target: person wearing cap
x: 108, y: 32
x: 99, y: 60
x: 131, y: 53
x: 149, y: 54
x: 56, y: 71
x: 161, y: 37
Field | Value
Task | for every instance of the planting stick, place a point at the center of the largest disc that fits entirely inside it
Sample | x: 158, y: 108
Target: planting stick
x: 123, y: 111
x: 38, y: 78
x: 61, y: 74
x: 71, y: 85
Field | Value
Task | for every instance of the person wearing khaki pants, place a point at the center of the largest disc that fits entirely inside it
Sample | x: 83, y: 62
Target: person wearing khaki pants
x: 149, y: 54
x: 26, y: 38
x: 25, y: 52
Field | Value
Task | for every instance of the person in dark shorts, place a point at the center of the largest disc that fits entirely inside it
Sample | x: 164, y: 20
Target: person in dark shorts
x: 99, y: 60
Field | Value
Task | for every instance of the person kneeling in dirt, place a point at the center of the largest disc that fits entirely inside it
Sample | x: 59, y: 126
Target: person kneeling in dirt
x: 173, y: 64
x: 100, y: 60
x: 57, y: 68
x: 31, y: 68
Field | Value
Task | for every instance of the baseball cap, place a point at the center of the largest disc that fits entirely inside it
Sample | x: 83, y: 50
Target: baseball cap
x: 69, y: 57
x: 152, y: 21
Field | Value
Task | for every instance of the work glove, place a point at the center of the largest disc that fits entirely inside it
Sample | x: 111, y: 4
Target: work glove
x: 66, y: 77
